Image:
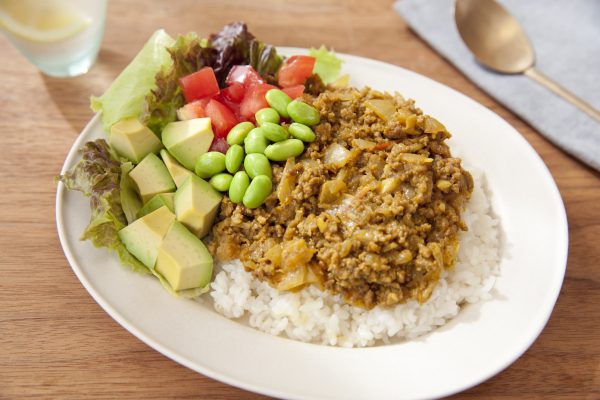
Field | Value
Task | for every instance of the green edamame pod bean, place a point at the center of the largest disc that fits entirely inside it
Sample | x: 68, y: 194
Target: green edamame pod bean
x: 210, y: 164
x: 238, y: 186
x: 281, y: 151
x: 274, y: 132
x: 234, y: 158
x: 238, y: 133
x: 303, y: 113
x: 266, y: 115
x: 221, y: 182
x: 257, y: 164
x: 302, y: 132
x: 279, y: 100
x: 259, y: 189
x: 255, y: 142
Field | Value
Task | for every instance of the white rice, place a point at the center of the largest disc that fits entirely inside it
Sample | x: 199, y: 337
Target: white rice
x: 311, y: 315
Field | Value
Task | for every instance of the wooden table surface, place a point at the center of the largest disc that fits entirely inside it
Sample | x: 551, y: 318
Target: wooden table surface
x: 56, y: 342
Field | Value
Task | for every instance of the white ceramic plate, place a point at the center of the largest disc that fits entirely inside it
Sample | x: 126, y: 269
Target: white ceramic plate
x: 481, y: 341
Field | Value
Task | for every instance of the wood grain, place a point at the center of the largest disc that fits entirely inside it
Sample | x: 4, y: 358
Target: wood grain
x: 56, y: 342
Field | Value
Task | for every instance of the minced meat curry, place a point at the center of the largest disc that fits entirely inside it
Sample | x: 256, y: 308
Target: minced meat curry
x: 371, y: 211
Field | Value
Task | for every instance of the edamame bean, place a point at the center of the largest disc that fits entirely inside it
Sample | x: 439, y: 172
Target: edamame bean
x: 221, y: 182
x: 279, y: 100
x: 210, y: 164
x: 283, y: 150
x: 238, y: 186
x: 238, y: 133
x: 302, y: 132
x: 274, y: 132
x: 266, y: 115
x: 255, y: 142
x: 259, y: 189
x: 303, y: 113
x: 257, y: 164
x: 234, y: 158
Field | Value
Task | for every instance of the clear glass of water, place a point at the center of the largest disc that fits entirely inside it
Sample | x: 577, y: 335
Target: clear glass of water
x: 61, y: 37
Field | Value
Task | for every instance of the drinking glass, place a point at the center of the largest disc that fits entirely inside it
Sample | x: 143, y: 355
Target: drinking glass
x: 66, y: 50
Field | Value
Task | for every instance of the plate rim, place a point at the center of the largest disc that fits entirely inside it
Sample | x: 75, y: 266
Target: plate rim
x: 257, y: 388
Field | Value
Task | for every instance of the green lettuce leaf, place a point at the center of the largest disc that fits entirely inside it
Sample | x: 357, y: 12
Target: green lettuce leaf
x: 124, y: 98
x: 328, y: 65
x: 97, y: 176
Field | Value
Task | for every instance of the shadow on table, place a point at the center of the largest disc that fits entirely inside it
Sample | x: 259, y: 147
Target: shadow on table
x: 72, y: 95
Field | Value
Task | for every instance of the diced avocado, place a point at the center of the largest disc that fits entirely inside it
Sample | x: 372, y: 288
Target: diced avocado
x: 196, y: 205
x: 183, y: 259
x: 143, y: 237
x: 159, y: 200
x: 133, y: 140
x: 151, y: 177
x: 188, y: 140
x: 130, y: 201
x: 177, y: 171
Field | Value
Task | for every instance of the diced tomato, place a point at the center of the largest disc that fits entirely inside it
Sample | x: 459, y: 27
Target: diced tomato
x: 294, y: 91
x: 244, y: 74
x: 234, y: 92
x: 221, y: 117
x: 254, y: 100
x: 191, y: 110
x: 200, y: 84
x: 219, y: 144
x: 295, y: 70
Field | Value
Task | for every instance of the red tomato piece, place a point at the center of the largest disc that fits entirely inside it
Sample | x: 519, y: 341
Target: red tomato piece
x: 219, y: 144
x: 191, y: 110
x: 295, y: 70
x: 202, y: 83
x: 294, y: 91
x: 234, y: 92
x: 254, y: 100
x: 244, y: 74
x: 221, y: 117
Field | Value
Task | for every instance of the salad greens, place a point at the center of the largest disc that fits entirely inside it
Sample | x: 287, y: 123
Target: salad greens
x: 97, y: 176
x: 234, y: 45
x: 327, y: 66
x: 124, y: 98
x: 149, y: 89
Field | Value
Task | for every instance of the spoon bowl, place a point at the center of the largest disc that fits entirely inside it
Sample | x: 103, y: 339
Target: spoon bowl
x: 497, y: 41
x: 494, y: 36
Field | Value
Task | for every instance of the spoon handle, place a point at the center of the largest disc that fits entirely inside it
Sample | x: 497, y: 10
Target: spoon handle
x: 542, y: 79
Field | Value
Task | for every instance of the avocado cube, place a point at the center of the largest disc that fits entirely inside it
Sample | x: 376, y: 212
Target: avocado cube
x: 133, y: 140
x: 151, y: 177
x: 143, y: 237
x: 188, y: 140
x: 177, y: 171
x: 196, y: 205
x: 183, y: 259
x: 159, y: 200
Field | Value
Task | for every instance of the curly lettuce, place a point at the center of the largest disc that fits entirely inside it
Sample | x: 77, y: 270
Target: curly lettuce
x: 98, y: 176
x: 188, y: 54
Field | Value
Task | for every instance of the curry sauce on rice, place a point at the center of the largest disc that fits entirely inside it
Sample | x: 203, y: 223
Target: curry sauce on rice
x: 371, y: 211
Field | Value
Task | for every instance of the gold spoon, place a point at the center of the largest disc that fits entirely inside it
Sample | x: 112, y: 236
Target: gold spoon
x: 497, y: 40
